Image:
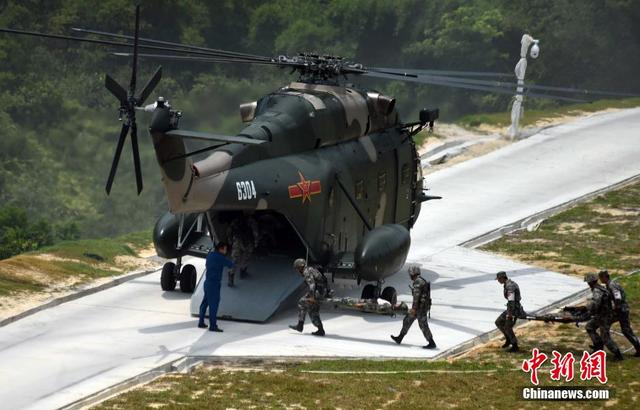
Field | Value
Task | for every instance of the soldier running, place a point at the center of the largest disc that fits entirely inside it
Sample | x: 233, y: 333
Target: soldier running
x: 599, y: 307
x: 421, y: 290
x: 241, y: 240
x: 507, y: 319
x: 620, y: 309
x: 310, y: 302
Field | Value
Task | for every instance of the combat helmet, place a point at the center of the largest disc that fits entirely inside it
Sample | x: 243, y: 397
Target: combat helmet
x: 414, y: 270
x: 590, y: 277
x: 299, y: 263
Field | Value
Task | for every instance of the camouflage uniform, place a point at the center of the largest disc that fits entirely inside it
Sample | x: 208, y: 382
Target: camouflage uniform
x: 421, y: 291
x: 241, y: 240
x: 621, y: 313
x: 599, y: 308
x: 316, y: 283
x: 511, y: 292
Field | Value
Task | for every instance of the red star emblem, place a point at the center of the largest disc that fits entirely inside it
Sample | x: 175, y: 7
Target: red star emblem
x: 304, y: 189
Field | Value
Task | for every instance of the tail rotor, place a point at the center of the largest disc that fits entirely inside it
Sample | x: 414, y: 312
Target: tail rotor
x: 128, y: 104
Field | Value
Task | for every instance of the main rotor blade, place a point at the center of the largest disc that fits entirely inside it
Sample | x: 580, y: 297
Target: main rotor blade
x: 579, y: 90
x: 169, y: 43
x: 134, y: 64
x: 509, y: 85
x: 203, y: 136
x: 116, y: 89
x: 210, y: 59
x: 116, y: 157
x: 452, y: 73
x: 450, y: 83
x: 149, y: 87
x: 136, y: 155
x: 101, y: 42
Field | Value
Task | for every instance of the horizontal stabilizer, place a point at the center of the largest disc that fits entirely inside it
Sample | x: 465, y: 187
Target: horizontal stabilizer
x: 203, y: 136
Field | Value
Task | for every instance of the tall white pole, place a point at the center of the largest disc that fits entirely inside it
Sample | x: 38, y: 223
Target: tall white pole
x: 517, y: 109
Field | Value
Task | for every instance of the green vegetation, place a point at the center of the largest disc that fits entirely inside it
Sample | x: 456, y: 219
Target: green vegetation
x: 58, y: 123
x: 602, y: 233
x: 531, y: 117
x: 70, y: 263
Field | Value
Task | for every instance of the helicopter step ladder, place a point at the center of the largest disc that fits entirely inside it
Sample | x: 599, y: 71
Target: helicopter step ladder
x: 272, y: 285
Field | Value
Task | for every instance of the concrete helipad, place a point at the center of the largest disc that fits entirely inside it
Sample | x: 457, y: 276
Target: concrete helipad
x: 60, y: 355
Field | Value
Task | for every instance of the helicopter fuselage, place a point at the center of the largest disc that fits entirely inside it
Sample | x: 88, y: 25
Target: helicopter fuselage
x: 336, y: 164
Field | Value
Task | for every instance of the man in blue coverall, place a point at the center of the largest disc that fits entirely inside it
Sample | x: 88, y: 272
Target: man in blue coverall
x: 216, y: 262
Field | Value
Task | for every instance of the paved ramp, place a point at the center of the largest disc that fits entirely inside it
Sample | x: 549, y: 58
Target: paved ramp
x: 272, y: 283
x: 62, y: 354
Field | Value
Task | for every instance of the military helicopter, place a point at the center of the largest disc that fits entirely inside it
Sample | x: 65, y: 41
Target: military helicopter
x: 326, y: 168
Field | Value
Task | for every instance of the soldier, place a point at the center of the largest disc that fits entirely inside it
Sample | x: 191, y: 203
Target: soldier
x: 241, y: 239
x: 599, y: 307
x: 310, y: 302
x: 620, y: 309
x: 507, y: 319
x: 421, y: 290
x: 216, y: 262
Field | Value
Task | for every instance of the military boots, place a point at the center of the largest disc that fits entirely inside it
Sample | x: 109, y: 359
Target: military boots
x: 297, y: 327
x: 431, y: 345
x: 398, y: 339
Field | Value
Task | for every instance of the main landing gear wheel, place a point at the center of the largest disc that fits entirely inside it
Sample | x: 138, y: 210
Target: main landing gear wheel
x: 390, y: 295
x: 188, y: 279
x: 168, y: 276
x: 369, y: 292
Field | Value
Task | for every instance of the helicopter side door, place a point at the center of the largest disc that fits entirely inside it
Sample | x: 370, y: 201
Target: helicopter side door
x: 404, y: 172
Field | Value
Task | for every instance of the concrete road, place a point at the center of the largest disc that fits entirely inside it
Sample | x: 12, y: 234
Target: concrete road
x: 65, y: 353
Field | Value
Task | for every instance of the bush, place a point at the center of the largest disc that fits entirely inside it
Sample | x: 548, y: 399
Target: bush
x: 17, y: 235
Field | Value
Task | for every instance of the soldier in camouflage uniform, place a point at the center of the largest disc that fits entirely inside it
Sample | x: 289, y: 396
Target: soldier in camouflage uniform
x: 620, y: 309
x: 507, y: 319
x: 310, y: 302
x: 240, y: 237
x: 599, y: 307
x: 421, y: 290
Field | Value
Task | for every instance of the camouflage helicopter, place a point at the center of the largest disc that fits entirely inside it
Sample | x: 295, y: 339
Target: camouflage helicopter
x: 328, y: 170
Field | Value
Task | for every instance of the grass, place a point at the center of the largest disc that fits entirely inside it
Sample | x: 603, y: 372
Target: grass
x: 70, y: 261
x: 600, y: 233
x: 290, y: 386
x: 533, y: 116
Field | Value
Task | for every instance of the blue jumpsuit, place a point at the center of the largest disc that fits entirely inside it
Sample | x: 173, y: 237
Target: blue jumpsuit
x: 216, y: 262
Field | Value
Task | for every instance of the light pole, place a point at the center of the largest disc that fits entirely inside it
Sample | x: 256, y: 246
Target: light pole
x: 521, y: 68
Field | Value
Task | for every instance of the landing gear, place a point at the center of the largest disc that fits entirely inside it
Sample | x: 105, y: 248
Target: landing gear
x: 174, y: 272
x: 390, y: 295
x: 372, y: 291
x: 187, y: 274
x: 188, y: 278
x: 168, y: 277
x: 369, y: 292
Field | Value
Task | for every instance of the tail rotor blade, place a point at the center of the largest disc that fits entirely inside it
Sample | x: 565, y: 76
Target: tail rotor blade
x: 150, y: 86
x: 136, y: 156
x: 116, y: 157
x: 116, y: 89
x: 134, y: 65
